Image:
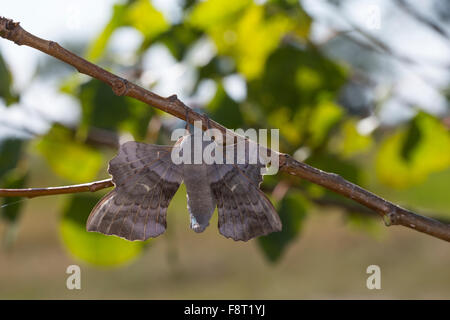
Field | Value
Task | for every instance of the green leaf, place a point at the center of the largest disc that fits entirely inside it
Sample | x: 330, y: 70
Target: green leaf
x: 144, y: 17
x: 178, y: 39
x: 412, y: 140
x: 138, y: 120
x: 296, y: 78
x: 92, y: 247
x: 103, y: 109
x: 410, y: 155
x: 69, y: 158
x: 333, y: 163
x: 6, y: 83
x: 244, y: 30
x: 292, y: 211
x: 10, y: 151
x: 256, y: 37
x: 225, y: 110
x: 11, y: 206
x: 351, y: 141
x: 365, y: 223
x: 97, y: 48
x: 324, y: 116
x: 208, y: 14
x: 139, y: 14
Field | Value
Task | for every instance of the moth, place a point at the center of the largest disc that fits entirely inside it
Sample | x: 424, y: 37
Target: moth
x: 146, y: 178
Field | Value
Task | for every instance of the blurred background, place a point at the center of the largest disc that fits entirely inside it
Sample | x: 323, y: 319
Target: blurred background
x: 359, y: 88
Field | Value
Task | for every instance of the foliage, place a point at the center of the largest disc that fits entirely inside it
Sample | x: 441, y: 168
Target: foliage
x: 89, y: 246
x: 412, y: 153
x: 290, y: 84
x: 292, y: 211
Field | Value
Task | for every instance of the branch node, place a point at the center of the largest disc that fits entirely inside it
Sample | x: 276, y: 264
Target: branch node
x: 172, y: 98
x: 11, y: 25
x: 119, y: 87
x: 283, y: 159
x: 390, y: 218
x: 52, y: 45
x: 8, y: 30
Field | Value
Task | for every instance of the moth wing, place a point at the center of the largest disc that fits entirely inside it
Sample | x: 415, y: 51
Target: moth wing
x: 244, y: 210
x: 145, y: 180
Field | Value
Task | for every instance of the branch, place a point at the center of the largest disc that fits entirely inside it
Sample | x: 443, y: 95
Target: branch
x: 39, y: 192
x: 391, y: 213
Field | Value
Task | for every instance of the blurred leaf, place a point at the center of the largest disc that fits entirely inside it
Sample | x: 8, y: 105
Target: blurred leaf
x: 6, y: 83
x: 11, y: 206
x: 144, y: 17
x: 308, y: 79
x: 291, y: 79
x: 178, y: 39
x: 324, y: 116
x: 10, y: 150
x: 256, y: 39
x: 91, y: 247
x: 139, y: 117
x: 103, y: 109
x: 139, y: 14
x: 430, y: 196
x: 97, y: 48
x: 295, y: 12
x: 351, y: 141
x: 212, y: 13
x: 412, y: 140
x: 225, y: 110
x: 333, y: 163
x: 68, y: 158
x: 217, y: 68
x: 365, y: 223
x: 242, y: 29
x: 292, y: 211
x: 409, y: 156
x: 291, y: 123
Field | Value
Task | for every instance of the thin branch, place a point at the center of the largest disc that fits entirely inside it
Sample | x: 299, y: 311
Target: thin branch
x: 39, y: 192
x: 423, y: 19
x: 391, y: 213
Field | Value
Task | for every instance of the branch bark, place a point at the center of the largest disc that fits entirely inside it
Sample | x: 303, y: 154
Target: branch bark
x: 39, y: 192
x: 391, y: 213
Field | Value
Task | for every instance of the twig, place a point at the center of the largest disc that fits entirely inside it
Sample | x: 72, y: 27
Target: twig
x: 391, y: 213
x: 423, y: 19
x: 39, y: 192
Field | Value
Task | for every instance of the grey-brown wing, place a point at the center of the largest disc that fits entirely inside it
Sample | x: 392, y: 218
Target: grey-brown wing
x: 244, y: 210
x: 145, y: 182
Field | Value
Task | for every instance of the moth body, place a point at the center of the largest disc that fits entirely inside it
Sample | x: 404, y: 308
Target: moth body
x: 200, y: 200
